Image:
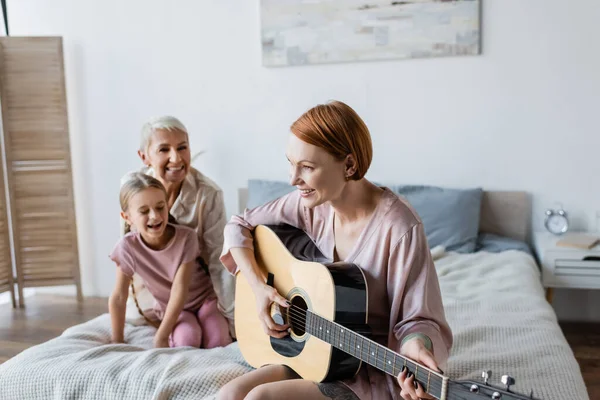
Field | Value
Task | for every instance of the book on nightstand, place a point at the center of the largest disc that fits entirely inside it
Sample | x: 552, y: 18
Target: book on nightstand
x: 579, y: 241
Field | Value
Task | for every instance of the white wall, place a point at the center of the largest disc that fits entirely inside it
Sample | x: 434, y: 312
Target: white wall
x: 521, y: 116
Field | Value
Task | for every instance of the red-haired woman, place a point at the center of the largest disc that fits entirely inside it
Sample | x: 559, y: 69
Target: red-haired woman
x: 350, y: 219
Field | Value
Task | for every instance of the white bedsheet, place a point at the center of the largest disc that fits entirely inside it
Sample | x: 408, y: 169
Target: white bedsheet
x: 501, y: 321
x: 494, y: 303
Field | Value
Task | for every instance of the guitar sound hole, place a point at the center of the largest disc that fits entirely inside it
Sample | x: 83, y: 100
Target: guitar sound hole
x: 297, y: 315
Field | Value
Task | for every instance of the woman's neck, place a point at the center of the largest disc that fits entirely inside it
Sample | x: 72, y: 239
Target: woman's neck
x: 173, y: 190
x: 357, y: 201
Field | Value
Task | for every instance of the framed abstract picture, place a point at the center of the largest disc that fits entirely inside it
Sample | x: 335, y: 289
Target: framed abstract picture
x: 301, y: 32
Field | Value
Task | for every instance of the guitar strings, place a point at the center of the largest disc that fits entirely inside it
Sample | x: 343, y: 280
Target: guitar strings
x: 435, y: 384
x: 298, y: 315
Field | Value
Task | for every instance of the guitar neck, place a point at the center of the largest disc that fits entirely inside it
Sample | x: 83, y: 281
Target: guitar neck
x: 374, y: 354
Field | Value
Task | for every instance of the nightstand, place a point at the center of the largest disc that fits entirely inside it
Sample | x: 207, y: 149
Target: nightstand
x: 566, y: 267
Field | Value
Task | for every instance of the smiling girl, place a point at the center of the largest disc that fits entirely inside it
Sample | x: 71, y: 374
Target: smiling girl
x: 165, y: 256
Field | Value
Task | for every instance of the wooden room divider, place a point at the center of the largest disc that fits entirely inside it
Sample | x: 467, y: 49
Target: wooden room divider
x: 36, y: 147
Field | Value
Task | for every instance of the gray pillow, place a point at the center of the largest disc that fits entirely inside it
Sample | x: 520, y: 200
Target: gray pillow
x: 262, y: 191
x: 450, y: 216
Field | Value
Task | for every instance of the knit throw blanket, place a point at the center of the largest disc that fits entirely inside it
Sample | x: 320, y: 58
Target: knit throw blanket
x: 494, y: 303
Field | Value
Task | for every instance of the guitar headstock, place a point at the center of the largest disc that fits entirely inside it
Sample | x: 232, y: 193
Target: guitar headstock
x: 473, y: 390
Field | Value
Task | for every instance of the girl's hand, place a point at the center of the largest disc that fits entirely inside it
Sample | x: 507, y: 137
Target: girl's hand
x: 265, y: 296
x: 160, y: 341
x: 415, y: 350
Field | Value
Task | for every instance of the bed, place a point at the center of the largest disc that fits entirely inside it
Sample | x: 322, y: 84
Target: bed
x: 492, y: 295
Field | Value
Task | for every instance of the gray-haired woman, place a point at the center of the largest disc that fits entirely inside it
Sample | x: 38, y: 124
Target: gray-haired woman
x: 193, y: 200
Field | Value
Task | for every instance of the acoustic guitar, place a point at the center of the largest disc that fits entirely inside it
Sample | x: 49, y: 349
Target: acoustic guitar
x: 329, y: 321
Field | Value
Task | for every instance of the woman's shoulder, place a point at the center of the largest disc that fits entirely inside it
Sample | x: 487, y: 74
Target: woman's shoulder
x: 202, y: 183
x: 400, y: 216
x: 144, y: 170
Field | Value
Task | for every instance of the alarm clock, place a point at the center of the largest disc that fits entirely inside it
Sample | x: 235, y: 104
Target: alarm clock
x: 556, y: 221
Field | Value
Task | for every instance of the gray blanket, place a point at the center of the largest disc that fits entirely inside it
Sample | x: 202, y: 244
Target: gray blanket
x: 82, y: 364
x: 494, y: 303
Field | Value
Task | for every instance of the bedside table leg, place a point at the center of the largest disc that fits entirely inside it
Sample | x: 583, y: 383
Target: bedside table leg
x: 549, y: 294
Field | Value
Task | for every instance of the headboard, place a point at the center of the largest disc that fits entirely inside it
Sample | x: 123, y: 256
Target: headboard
x: 507, y: 214
x: 502, y: 213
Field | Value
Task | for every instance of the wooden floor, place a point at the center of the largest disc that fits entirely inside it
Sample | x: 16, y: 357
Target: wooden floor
x: 585, y: 341
x: 44, y: 317
x: 47, y: 316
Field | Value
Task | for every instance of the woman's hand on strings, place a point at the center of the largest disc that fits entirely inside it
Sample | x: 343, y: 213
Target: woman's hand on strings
x: 415, y: 350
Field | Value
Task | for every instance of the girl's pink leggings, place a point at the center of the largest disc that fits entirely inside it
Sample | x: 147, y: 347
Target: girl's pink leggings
x: 206, y: 328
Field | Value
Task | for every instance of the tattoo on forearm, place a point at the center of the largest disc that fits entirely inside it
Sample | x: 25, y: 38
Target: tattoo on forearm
x: 337, y: 391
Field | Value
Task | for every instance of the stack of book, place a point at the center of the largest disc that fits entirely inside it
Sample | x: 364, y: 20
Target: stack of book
x: 579, y: 240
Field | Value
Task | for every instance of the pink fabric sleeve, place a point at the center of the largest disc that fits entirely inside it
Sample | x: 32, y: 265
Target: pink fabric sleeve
x: 121, y: 255
x: 238, y: 231
x: 191, y: 250
x: 415, y: 297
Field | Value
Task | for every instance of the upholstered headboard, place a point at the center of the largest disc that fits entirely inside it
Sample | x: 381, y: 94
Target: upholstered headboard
x: 507, y: 214
x: 502, y: 213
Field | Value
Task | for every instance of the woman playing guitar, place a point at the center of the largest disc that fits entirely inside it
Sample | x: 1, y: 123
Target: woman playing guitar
x: 352, y: 220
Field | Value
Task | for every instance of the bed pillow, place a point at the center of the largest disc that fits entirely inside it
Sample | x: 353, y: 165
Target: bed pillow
x: 262, y: 191
x: 450, y: 216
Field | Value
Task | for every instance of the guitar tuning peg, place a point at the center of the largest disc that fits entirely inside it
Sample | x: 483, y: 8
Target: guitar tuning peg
x: 508, y: 381
x: 486, y: 375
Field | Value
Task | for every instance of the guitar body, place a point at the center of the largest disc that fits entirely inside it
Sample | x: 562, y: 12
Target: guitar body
x: 335, y: 291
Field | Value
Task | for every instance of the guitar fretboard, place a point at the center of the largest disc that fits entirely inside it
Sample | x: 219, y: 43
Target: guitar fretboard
x: 371, y: 352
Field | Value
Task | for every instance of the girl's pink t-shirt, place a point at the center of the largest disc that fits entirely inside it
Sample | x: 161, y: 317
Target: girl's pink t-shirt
x: 158, y: 267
